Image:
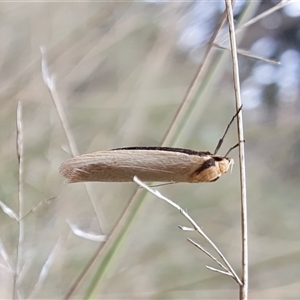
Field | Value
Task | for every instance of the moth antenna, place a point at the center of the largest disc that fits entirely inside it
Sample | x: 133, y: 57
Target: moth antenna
x: 233, y: 147
x: 161, y: 184
x: 222, y: 138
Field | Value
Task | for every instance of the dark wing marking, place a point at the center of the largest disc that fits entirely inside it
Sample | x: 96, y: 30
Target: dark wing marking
x: 207, y: 164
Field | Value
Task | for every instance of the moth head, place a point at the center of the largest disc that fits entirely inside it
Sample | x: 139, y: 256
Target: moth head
x: 224, y: 164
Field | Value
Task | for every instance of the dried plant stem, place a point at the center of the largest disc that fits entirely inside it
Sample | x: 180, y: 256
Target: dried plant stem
x: 36, y: 206
x: 192, y: 90
x: 45, y: 270
x: 228, y: 268
x: 20, y: 199
x: 235, y: 67
x: 249, y: 54
x: 51, y: 85
x: 255, y: 19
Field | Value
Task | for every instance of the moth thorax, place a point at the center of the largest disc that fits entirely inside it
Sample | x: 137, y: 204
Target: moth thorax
x: 225, y: 164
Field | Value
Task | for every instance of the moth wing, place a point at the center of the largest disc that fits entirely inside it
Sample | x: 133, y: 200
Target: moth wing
x: 123, y: 165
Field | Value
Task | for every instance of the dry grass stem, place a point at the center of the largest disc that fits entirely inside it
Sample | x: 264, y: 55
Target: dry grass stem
x: 7, y: 210
x: 248, y: 54
x: 193, y: 87
x: 51, y: 85
x: 184, y: 228
x: 211, y: 256
x: 3, y: 253
x: 194, y: 224
x: 218, y: 271
x: 35, y: 207
x: 86, y: 235
x: 19, y: 249
x: 244, y: 226
x: 280, y: 5
x: 46, y: 267
x: 87, y: 267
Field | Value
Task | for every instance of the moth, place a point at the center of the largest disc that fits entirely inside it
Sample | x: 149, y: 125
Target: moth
x: 160, y: 164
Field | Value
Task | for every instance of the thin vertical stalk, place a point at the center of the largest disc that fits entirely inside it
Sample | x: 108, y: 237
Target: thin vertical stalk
x: 20, y: 200
x: 235, y: 68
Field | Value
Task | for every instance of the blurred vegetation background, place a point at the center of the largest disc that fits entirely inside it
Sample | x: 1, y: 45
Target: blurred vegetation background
x: 122, y: 70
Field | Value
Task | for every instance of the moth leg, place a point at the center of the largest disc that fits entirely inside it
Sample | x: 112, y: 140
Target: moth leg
x: 162, y: 184
x: 215, y: 179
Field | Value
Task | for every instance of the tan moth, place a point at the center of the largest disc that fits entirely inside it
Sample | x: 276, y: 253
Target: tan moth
x: 161, y: 164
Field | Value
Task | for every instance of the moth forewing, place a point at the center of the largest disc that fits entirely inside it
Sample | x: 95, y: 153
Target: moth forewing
x: 148, y: 164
